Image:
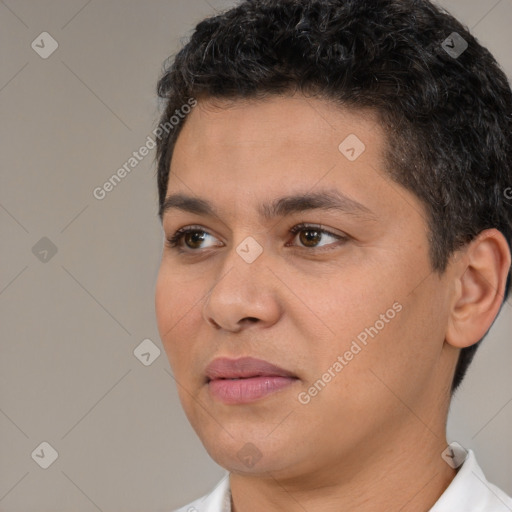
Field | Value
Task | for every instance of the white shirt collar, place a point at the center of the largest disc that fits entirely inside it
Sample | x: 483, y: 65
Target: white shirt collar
x: 218, y: 500
x: 469, y: 491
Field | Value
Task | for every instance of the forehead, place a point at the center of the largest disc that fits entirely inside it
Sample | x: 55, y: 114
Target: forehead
x: 293, y: 119
x: 244, y: 152
x: 278, y: 139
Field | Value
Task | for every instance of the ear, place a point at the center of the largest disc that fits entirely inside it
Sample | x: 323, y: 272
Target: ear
x: 480, y: 273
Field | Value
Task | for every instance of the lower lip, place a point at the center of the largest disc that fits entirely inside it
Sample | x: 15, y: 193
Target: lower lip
x: 244, y: 391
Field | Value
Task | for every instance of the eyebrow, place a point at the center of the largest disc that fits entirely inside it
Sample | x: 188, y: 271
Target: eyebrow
x: 280, y: 207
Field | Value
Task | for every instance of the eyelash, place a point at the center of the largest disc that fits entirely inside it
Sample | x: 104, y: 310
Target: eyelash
x: 174, y: 241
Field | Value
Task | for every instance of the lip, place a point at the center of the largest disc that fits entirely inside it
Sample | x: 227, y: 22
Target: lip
x: 243, y: 367
x: 245, y: 380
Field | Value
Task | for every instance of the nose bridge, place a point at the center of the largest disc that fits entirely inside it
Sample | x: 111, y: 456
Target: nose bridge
x: 243, y: 266
x: 240, y: 290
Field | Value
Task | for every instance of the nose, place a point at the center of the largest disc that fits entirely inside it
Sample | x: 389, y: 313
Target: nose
x: 244, y: 294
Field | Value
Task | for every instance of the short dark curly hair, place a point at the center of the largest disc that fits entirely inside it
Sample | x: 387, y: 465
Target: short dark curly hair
x: 448, y: 117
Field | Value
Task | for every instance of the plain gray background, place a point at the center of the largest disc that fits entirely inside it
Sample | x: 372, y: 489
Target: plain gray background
x: 70, y: 322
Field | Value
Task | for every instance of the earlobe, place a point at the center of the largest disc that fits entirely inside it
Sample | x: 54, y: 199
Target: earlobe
x: 481, y: 273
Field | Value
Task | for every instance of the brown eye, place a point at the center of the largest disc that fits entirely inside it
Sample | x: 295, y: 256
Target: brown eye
x: 194, y: 239
x: 310, y: 237
x: 190, y: 238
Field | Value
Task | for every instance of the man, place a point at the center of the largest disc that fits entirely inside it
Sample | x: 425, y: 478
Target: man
x: 338, y: 240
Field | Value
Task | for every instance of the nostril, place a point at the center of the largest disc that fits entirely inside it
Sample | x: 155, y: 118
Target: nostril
x: 214, y: 323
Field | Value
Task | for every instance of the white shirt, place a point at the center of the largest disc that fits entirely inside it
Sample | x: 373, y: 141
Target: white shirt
x: 469, y: 491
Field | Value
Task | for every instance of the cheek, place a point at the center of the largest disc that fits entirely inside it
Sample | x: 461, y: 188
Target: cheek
x: 171, y: 308
x: 178, y: 309
x: 367, y: 315
x: 164, y: 304
x: 347, y: 303
x: 399, y: 357
x: 174, y: 299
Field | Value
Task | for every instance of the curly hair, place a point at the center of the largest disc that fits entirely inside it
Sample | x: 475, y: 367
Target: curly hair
x: 448, y: 117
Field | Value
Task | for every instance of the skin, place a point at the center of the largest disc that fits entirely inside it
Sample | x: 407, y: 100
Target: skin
x: 372, y: 438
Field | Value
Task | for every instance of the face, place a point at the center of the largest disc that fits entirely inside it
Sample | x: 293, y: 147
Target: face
x: 333, y: 287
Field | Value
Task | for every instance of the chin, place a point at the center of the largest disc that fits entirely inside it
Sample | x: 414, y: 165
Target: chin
x: 249, y: 454
x: 248, y: 460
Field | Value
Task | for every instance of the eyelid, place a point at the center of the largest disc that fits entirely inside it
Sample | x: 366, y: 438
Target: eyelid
x: 174, y: 240
x: 319, y: 227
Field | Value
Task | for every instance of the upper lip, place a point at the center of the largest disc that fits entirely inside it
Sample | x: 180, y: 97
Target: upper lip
x: 244, y: 367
